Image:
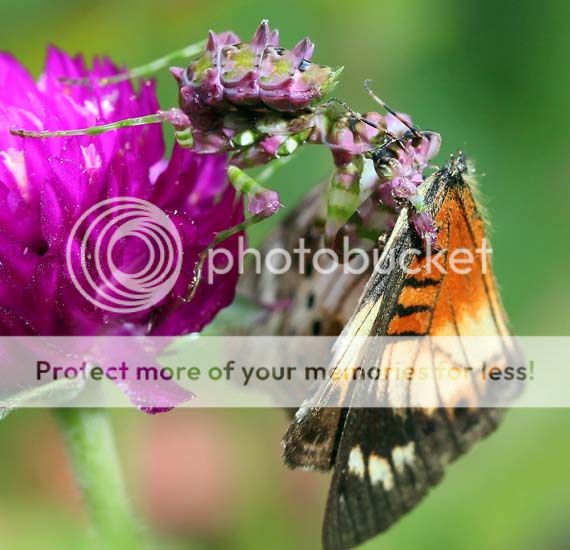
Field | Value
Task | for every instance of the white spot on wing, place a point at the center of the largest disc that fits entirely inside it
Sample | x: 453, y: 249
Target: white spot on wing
x: 301, y: 413
x: 380, y: 472
x: 403, y: 455
x: 356, y: 463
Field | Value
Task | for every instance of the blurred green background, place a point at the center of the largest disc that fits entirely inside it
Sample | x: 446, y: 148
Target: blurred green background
x: 493, y: 78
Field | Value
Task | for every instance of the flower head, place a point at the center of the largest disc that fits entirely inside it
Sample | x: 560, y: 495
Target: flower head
x: 47, y: 185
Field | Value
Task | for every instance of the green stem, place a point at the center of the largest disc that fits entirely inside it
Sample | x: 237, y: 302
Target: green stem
x: 91, y: 445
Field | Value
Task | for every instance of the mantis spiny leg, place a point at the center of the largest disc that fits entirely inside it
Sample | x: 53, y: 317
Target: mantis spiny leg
x: 181, y: 123
x: 262, y: 203
x: 343, y: 196
x: 144, y: 70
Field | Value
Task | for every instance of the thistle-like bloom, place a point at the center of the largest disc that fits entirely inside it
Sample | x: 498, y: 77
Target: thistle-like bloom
x: 47, y: 185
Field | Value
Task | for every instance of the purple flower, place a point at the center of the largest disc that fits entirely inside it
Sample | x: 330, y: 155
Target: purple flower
x: 46, y: 186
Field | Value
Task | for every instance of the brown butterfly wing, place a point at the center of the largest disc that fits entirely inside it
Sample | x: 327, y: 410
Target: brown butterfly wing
x: 318, y: 304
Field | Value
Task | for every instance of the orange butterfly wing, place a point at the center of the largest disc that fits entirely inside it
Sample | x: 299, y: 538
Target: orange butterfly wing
x: 387, y: 459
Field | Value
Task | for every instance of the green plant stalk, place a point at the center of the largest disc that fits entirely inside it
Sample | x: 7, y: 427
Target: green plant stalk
x: 91, y: 446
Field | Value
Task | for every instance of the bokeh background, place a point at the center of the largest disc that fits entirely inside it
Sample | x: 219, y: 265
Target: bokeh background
x: 494, y: 79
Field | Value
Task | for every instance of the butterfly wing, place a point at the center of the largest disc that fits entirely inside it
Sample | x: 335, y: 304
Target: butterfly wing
x: 318, y: 303
x: 387, y: 459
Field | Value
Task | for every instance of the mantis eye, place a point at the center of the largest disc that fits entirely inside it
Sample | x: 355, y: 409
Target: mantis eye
x: 304, y: 65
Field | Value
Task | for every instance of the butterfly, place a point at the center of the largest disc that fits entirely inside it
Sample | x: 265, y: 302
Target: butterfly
x: 385, y: 460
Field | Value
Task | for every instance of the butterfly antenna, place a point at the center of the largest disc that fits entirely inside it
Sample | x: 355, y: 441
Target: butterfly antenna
x: 411, y: 127
x: 144, y: 70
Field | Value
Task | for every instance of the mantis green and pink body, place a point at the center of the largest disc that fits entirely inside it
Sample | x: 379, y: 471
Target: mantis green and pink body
x: 260, y: 103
